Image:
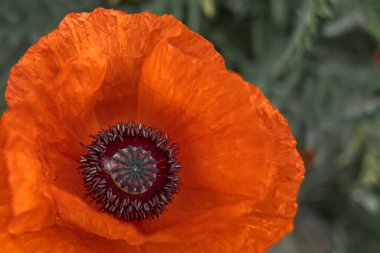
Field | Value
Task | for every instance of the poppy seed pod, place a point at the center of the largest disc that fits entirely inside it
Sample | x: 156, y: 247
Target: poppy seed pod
x: 126, y: 133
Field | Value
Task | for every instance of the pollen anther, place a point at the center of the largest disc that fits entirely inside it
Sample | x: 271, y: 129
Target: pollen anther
x: 131, y: 171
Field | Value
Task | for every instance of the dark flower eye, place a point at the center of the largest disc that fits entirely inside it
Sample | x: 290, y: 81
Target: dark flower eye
x: 131, y: 171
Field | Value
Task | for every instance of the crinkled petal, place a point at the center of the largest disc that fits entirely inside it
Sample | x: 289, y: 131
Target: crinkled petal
x: 232, y: 141
x: 34, y: 129
x: 125, y: 39
x: 58, y: 238
x: 73, y: 210
x: 32, y: 206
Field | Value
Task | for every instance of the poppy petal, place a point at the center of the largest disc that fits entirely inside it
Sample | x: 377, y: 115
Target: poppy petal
x: 31, y: 201
x: 233, y: 142
x: 57, y: 238
x: 126, y: 40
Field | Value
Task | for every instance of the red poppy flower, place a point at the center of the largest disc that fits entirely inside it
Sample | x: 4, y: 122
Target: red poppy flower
x: 132, y: 82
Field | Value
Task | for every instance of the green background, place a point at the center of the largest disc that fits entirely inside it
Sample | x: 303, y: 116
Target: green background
x: 316, y: 62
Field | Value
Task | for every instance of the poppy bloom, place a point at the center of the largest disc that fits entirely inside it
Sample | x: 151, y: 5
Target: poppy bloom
x: 125, y: 133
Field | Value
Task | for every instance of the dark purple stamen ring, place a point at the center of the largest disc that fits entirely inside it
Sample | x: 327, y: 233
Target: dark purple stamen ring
x: 131, y: 171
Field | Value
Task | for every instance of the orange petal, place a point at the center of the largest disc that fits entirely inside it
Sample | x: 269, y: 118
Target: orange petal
x: 232, y: 141
x: 62, y: 238
x: 32, y: 125
x: 125, y: 39
x: 31, y: 200
x: 58, y: 238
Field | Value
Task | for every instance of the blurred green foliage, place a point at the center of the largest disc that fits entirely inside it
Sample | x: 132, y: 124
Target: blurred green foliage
x: 314, y: 59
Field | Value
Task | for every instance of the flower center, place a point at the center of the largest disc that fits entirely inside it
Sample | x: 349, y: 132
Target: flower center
x: 131, y: 171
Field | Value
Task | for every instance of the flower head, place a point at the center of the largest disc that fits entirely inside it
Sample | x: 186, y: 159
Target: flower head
x: 131, y: 82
